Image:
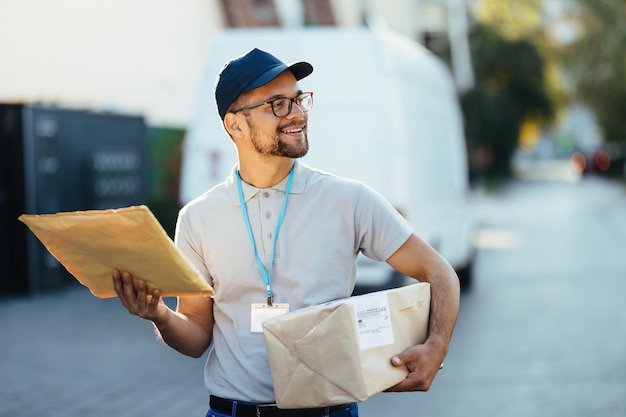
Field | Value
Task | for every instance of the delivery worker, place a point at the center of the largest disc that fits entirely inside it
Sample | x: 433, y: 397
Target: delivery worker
x: 280, y: 233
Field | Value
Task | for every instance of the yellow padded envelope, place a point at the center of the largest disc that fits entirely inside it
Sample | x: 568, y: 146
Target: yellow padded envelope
x: 90, y: 244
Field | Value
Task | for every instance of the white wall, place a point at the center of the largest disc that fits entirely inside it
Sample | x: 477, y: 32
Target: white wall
x: 133, y: 56
x: 399, y: 15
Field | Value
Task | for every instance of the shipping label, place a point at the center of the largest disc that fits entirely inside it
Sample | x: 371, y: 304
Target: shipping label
x: 373, y: 320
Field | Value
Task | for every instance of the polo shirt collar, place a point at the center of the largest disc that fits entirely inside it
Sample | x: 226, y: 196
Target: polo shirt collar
x: 249, y: 191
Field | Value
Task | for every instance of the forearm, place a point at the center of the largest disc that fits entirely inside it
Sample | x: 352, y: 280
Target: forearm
x: 188, y: 330
x: 418, y: 260
x: 183, y: 334
x: 445, y: 299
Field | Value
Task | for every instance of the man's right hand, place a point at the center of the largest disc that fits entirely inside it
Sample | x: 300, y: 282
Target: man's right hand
x: 137, y: 301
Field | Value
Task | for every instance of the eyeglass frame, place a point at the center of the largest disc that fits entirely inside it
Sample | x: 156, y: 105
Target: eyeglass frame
x: 271, y: 103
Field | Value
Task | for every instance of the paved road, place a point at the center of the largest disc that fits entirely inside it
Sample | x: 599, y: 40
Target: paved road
x: 70, y: 354
x: 542, y: 333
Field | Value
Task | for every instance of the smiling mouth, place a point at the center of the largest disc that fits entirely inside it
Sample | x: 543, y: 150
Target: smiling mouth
x: 294, y: 130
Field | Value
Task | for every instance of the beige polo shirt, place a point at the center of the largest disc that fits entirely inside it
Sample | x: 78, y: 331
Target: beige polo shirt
x: 327, y: 221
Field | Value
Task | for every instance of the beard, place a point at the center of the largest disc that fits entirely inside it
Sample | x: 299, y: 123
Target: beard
x: 273, y: 145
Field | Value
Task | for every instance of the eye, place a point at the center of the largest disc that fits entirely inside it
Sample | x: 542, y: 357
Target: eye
x: 280, y: 104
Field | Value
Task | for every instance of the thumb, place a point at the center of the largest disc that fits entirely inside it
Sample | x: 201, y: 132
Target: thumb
x: 397, y: 360
x: 405, y: 357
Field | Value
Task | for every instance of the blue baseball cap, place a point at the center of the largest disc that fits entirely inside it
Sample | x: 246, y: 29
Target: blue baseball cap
x: 247, y: 72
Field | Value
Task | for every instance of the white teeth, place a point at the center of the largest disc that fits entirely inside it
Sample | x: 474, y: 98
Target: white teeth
x: 293, y: 130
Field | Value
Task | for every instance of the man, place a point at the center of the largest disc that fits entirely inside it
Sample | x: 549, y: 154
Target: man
x: 278, y: 231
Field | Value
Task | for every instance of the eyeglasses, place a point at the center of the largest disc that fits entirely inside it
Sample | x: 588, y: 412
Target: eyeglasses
x: 281, y: 107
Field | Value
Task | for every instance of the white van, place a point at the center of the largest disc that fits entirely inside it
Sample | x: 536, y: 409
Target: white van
x: 385, y: 112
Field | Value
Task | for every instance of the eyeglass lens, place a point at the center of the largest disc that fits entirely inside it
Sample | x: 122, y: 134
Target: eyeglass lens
x: 282, y: 107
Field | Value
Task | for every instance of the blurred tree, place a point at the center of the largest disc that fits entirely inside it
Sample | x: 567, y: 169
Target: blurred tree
x: 510, y: 90
x: 513, y: 19
x: 595, y: 63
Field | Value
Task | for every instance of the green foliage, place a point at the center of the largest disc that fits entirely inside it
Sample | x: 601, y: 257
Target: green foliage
x: 165, y: 160
x: 510, y: 89
x: 595, y: 63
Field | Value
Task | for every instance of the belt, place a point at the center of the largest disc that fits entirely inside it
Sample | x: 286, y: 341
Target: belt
x: 224, y: 406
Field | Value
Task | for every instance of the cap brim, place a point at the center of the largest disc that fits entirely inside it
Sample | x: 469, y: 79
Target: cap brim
x: 299, y: 70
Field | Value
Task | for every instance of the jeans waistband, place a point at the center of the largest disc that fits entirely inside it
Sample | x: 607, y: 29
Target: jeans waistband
x: 244, y: 409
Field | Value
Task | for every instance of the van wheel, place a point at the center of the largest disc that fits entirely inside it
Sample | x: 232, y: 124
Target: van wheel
x: 465, y: 275
x: 395, y: 280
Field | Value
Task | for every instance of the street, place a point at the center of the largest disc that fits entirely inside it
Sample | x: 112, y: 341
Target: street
x: 541, y: 333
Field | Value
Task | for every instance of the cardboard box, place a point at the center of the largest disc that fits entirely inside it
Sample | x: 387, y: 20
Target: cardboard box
x: 340, y: 351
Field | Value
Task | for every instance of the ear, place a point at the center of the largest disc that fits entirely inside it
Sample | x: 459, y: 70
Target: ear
x: 232, y: 124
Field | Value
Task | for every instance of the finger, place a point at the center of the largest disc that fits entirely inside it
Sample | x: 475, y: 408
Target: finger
x: 153, y: 305
x: 411, y: 385
x: 413, y: 357
x: 118, y: 286
x: 405, y: 359
x: 416, y: 380
x: 129, y: 292
x: 142, y: 296
x: 419, y: 366
x: 397, y: 361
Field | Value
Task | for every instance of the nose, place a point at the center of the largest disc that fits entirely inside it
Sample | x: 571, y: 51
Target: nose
x: 295, y: 111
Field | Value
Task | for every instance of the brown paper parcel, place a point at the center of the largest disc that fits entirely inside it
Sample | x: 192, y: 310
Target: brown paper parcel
x: 90, y: 244
x: 340, y: 351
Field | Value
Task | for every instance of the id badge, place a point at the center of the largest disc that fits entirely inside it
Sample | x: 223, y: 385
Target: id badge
x: 259, y: 312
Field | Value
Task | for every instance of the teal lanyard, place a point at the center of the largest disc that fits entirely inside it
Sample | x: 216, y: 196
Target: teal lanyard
x: 266, y: 274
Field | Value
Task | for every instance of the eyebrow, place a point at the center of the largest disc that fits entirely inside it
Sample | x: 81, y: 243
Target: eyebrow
x: 277, y: 96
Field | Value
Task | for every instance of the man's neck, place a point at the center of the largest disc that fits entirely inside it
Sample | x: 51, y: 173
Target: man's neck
x: 264, y: 175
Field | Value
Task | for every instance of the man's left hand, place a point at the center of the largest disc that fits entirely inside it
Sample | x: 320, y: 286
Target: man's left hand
x: 423, y: 363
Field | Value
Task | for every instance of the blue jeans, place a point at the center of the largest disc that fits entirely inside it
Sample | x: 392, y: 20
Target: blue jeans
x: 352, y: 410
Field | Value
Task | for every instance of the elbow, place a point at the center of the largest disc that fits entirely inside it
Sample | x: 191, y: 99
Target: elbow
x: 198, y: 350
x: 196, y: 354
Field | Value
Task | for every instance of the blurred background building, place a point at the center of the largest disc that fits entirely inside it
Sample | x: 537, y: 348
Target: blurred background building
x: 146, y: 56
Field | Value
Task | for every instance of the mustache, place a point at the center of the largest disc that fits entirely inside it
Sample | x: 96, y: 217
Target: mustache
x: 299, y: 124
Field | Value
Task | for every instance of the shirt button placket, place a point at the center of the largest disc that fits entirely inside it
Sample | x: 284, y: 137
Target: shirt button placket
x: 267, y: 223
